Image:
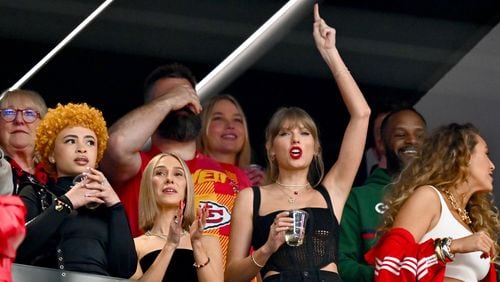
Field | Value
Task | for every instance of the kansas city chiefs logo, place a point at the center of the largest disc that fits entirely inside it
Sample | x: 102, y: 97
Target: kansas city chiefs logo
x: 218, y: 215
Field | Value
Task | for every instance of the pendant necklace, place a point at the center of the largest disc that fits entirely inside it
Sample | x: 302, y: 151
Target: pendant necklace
x: 464, y: 215
x: 283, y: 187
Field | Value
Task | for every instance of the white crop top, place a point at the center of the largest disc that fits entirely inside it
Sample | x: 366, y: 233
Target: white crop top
x: 468, y: 267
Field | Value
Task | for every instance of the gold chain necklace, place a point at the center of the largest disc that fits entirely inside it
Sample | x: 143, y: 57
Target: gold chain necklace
x: 464, y: 215
x: 291, y: 200
x: 160, y: 235
x: 302, y: 186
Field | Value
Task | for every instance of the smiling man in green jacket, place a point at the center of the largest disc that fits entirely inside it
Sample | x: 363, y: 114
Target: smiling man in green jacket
x: 402, y: 133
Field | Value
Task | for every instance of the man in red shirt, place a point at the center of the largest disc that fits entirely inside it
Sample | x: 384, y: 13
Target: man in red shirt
x: 170, y: 116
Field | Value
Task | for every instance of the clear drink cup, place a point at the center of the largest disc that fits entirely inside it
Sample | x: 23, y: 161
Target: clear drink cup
x: 295, y: 235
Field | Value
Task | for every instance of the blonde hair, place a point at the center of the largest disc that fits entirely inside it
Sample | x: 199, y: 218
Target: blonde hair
x: 443, y: 163
x: 293, y: 117
x: 35, y: 97
x: 148, y: 205
x: 243, y: 158
x: 64, y: 116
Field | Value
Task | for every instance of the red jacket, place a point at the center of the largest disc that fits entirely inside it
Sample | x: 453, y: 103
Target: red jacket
x: 397, y: 257
x: 12, y: 231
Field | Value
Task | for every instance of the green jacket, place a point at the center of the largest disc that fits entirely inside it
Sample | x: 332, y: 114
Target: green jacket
x: 361, y: 217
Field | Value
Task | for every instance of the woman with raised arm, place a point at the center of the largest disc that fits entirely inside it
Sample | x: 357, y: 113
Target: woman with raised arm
x: 173, y: 248
x: 261, y: 215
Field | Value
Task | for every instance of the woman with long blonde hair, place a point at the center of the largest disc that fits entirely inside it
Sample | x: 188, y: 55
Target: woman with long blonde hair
x: 173, y: 248
x: 224, y: 137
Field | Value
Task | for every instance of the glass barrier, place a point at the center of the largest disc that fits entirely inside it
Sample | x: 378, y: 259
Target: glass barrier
x: 26, y: 273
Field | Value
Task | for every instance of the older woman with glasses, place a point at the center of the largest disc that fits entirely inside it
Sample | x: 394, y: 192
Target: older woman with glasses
x: 21, y: 111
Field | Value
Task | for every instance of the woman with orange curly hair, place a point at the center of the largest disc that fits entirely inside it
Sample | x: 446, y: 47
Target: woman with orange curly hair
x: 62, y: 232
x: 441, y: 223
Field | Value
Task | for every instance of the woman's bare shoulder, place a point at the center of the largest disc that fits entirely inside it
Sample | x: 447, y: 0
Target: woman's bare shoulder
x: 425, y: 192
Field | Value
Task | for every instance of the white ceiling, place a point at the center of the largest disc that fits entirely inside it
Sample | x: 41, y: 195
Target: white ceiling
x: 470, y: 92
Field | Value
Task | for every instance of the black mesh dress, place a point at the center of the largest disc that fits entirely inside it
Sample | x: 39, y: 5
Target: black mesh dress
x: 302, y: 263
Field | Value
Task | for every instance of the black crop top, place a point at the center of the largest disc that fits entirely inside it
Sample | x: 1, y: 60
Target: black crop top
x: 180, y: 268
x: 320, y: 243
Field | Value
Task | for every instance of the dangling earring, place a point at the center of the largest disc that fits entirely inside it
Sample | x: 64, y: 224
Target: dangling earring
x: 52, y: 160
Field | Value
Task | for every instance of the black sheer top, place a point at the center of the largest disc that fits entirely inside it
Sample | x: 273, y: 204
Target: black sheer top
x: 320, y: 243
x: 180, y: 268
x: 93, y: 241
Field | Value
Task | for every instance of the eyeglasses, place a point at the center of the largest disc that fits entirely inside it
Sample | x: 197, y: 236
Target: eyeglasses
x: 29, y: 115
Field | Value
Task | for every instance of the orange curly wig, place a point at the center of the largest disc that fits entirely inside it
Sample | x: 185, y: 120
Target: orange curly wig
x: 69, y: 115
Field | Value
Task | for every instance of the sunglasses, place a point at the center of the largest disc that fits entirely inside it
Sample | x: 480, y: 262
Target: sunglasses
x: 29, y: 115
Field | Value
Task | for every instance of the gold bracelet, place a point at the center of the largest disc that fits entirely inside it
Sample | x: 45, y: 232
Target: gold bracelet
x: 255, y: 262
x: 197, y: 266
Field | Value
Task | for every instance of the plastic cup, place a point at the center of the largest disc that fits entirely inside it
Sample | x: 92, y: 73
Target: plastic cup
x: 295, y: 235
